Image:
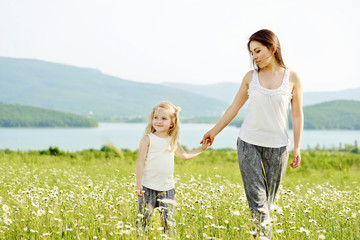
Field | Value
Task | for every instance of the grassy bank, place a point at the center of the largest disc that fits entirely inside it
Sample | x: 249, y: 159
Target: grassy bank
x: 90, y: 194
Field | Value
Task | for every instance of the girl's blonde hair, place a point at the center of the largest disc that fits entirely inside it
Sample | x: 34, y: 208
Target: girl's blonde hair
x: 174, y: 130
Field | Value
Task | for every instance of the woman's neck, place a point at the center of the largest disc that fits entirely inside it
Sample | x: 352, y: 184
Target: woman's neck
x: 272, y: 67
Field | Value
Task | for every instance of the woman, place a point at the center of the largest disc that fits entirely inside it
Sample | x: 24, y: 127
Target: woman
x: 263, y: 138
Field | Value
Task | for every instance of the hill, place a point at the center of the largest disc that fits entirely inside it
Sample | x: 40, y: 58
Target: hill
x: 89, y: 92
x: 15, y: 115
x: 226, y: 92
x: 340, y: 114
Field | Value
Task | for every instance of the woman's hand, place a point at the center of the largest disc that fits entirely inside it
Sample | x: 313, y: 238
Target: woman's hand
x: 296, y: 158
x: 139, y: 191
x: 208, y: 138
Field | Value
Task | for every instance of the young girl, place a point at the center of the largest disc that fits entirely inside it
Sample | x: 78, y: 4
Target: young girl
x: 155, y: 165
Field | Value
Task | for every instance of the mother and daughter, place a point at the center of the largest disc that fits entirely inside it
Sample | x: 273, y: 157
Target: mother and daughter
x: 262, y: 144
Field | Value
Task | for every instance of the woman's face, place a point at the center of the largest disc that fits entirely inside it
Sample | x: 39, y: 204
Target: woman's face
x: 260, y: 54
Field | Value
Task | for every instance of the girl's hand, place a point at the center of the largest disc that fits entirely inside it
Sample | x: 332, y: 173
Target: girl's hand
x: 208, y: 139
x: 296, y: 158
x: 204, y: 146
x: 139, y: 191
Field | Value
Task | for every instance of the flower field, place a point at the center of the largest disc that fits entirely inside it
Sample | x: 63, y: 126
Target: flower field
x: 90, y: 195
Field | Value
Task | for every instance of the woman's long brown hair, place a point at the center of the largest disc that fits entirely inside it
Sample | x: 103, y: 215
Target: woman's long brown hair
x: 269, y: 40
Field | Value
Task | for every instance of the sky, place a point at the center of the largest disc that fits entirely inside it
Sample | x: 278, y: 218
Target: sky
x: 188, y: 41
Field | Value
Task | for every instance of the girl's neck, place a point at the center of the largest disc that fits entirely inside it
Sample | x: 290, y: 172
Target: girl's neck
x: 161, y: 134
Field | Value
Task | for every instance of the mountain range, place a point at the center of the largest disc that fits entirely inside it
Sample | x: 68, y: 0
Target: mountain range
x: 226, y: 92
x: 91, y: 93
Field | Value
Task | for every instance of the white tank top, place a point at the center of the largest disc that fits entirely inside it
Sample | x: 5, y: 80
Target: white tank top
x: 266, y: 122
x: 159, y: 165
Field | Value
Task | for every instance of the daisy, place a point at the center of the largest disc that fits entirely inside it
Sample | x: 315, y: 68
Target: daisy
x: 236, y: 212
x: 40, y: 212
x: 8, y: 221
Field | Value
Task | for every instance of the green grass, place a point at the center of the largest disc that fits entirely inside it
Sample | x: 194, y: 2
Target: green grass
x: 90, y: 194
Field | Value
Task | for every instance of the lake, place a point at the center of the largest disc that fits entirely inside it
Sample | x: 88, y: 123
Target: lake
x: 128, y: 135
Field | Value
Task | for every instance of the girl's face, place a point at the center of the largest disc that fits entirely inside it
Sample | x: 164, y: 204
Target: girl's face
x: 260, y: 54
x: 161, y: 121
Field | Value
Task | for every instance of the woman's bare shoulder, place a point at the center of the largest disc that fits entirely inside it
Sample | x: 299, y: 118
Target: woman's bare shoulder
x: 248, y: 76
x: 294, y: 77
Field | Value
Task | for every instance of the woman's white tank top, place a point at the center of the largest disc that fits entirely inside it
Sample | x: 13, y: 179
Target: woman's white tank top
x: 266, y: 122
x: 159, y: 165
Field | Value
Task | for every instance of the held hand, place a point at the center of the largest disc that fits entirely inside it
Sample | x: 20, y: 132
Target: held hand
x: 208, y: 139
x: 139, y: 191
x: 296, y: 159
x: 204, y: 146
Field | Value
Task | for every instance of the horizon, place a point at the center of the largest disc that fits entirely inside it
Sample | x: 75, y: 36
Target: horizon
x: 165, y: 83
x: 155, y: 43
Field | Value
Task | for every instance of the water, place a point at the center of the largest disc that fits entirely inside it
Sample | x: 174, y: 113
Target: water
x: 128, y: 135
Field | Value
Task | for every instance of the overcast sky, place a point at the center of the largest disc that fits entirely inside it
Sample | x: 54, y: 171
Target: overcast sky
x: 190, y: 41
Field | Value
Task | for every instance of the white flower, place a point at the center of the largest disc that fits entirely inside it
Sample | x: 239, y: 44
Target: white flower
x: 262, y: 210
x: 312, y: 221
x: 33, y: 231
x: 37, y: 206
x: 321, y: 236
x: 168, y: 201
x: 40, y: 212
x: 252, y: 233
x: 8, y: 221
x: 280, y: 231
x: 263, y: 238
x: 235, y: 212
x: 46, y: 234
x: 276, y: 209
x: 6, y: 208
x: 304, y: 230
x: 266, y: 223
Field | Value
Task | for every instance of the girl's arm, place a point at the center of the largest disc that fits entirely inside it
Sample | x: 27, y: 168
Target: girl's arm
x: 143, y: 149
x: 180, y: 152
x: 297, y: 118
x: 231, y: 112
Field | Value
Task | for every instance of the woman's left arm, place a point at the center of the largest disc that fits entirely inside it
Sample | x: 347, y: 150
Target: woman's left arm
x: 297, y: 117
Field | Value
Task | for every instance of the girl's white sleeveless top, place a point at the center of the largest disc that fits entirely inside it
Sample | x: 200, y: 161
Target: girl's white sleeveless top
x: 159, y: 165
x: 266, y: 122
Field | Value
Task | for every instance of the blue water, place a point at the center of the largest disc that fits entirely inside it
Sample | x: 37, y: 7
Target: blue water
x: 128, y: 135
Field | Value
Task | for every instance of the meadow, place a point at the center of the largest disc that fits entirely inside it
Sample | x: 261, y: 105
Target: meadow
x: 91, y: 195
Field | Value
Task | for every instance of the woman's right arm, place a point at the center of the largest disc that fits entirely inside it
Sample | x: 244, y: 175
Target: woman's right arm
x: 231, y: 112
x: 143, y: 149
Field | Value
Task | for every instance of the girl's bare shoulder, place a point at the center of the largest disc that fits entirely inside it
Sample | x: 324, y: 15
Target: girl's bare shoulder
x: 145, y: 141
